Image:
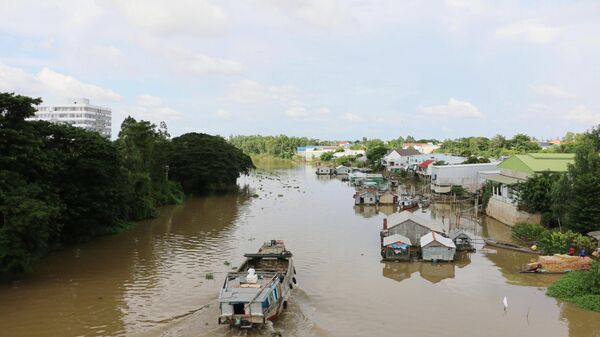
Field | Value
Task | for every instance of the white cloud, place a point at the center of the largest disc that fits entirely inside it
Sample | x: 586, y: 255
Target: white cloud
x: 51, y: 83
x: 186, y: 61
x: 551, y: 90
x: 152, y: 108
x: 252, y: 92
x: 107, y: 52
x: 298, y: 110
x: 223, y: 113
x: 474, y: 6
x: 173, y: 17
x: 454, y: 108
x: 352, y: 117
x: 530, y: 31
x: 583, y: 114
x: 321, y: 13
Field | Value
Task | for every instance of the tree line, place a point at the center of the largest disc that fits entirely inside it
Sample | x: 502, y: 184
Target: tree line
x: 277, y: 146
x: 61, y: 184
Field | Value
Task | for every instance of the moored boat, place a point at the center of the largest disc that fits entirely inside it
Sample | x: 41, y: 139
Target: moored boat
x: 407, y: 202
x: 260, y: 288
x: 510, y: 246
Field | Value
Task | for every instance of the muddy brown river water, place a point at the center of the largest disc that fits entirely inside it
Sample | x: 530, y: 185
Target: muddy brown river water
x: 151, y: 281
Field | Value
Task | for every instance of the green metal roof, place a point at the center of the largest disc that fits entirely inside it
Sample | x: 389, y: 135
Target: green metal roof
x: 503, y: 179
x: 539, y: 162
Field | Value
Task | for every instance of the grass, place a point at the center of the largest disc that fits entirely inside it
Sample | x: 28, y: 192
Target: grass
x: 209, y: 276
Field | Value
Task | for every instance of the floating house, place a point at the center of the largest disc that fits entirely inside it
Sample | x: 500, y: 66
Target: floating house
x: 325, y: 170
x: 342, y: 170
x: 388, y: 198
x: 365, y: 197
x: 462, y: 241
x: 396, y: 247
x: 465, y: 175
x: 503, y: 204
x: 435, y: 247
x: 409, y: 225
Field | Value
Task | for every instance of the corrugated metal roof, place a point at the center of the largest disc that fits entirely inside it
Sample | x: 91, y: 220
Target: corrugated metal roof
x: 460, y: 232
x: 503, y: 179
x: 539, y: 162
x: 426, y: 163
x: 430, y: 237
x: 398, y: 218
x: 407, y: 152
x: 388, y: 240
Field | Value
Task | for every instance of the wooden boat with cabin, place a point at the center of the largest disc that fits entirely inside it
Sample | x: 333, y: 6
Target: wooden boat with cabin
x: 260, y: 289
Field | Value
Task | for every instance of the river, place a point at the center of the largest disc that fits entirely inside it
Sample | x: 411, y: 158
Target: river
x: 162, y: 278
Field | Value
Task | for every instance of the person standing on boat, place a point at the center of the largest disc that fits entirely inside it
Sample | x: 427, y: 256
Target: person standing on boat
x: 582, y: 252
x: 571, y: 251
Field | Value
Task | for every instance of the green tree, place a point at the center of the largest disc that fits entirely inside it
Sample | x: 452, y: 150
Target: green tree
x: 581, y: 186
x: 326, y: 156
x: 535, y: 194
x: 202, y: 163
x: 374, y: 155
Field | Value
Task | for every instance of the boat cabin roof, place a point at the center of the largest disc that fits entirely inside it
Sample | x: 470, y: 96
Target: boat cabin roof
x: 236, y: 289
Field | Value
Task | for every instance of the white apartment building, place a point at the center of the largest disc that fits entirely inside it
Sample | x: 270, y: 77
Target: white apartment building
x: 79, y: 113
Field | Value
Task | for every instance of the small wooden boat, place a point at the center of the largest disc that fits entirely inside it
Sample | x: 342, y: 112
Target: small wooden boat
x: 260, y: 288
x: 510, y: 246
x: 406, y: 202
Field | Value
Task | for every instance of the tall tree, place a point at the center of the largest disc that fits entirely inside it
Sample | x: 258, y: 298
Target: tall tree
x: 203, y: 163
x: 582, y: 204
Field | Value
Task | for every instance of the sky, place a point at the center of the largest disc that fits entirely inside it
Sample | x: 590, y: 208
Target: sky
x: 318, y: 68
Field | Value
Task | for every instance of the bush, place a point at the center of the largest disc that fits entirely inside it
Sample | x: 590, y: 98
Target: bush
x: 580, y: 287
x: 528, y: 232
x: 555, y: 242
x: 457, y: 190
x: 590, y: 302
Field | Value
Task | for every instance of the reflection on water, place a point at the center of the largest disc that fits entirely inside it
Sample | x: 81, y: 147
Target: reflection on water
x: 432, y: 272
x: 151, y: 281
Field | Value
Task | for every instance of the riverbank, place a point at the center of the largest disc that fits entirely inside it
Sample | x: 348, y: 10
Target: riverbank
x: 579, y: 287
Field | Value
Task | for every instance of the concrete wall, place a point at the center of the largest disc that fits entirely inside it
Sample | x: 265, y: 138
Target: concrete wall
x: 509, y: 214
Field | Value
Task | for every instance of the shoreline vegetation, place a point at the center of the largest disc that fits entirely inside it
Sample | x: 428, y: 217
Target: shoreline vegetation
x: 579, y: 287
x: 63, y: 185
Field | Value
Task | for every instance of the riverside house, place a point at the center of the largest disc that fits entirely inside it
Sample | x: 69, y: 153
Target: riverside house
x: 396, y: 160
x: 465, y: 175
x: 503, y: 204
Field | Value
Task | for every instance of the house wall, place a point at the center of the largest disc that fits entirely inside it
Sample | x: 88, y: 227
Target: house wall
x: 368, y: 199
x: 509, y: 214
x: 466, y: 175
x: 387, y: 199
x: 437, y: 251
x: 409, y: 229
